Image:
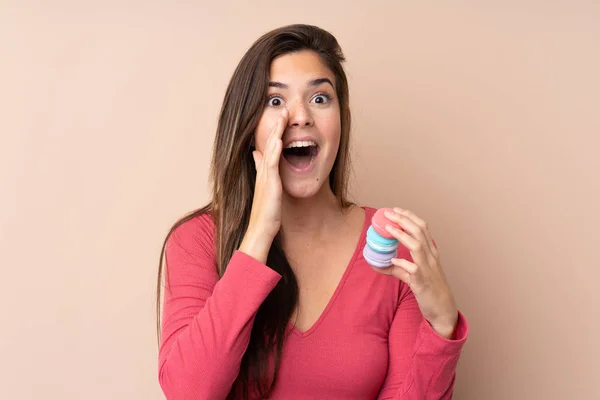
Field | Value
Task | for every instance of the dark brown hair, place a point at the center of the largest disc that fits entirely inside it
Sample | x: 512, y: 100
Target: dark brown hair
x: 233, y: 177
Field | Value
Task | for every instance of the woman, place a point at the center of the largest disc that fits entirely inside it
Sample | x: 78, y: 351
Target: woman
x: 267, y: 292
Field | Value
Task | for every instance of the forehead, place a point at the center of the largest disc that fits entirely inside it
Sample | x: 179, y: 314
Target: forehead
x: 298, y: 68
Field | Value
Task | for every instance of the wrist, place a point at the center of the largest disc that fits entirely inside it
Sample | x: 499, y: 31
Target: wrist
x: 446, y: 326
x: 256, y: 244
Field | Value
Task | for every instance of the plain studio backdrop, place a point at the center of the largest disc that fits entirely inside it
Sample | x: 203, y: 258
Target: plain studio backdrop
x: 480, y: 116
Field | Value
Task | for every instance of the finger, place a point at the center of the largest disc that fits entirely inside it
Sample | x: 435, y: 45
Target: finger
x: 268, y: 145
x: 284, y: 119
x: 419, y: 232
x: 408, y: 225
x: 417, y: 249
x: 401, y: 269
x: 272, y: 139
x: 422, y: 225
x: 257, y: 156
x: 407, y: 266
x: 268, y: 153
x: 278, y: 127
x: 408, y: 273
x: 275, y: 154
x: 394, y: 271
x: 269, y: 141
x: 278, y: 134
x: 417, y: 220
x: 403, y: 237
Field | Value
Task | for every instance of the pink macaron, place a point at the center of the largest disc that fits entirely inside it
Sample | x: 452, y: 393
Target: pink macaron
x: 379, y: 221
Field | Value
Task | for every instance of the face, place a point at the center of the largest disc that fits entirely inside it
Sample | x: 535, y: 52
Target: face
x: 305, y: 86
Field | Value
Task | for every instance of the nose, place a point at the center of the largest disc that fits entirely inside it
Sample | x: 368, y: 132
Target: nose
x: 299, y: 115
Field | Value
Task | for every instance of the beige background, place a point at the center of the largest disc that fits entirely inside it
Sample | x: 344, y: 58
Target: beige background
x: 482, y: 115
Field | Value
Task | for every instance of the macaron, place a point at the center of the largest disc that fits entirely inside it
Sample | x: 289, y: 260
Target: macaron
x: 379, y: 243
x: 379, y: 221
x: 378, y: 260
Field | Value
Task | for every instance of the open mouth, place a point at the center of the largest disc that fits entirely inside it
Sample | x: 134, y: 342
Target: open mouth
x: 301, y: 154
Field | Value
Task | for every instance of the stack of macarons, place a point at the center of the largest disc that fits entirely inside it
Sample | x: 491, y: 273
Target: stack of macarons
x: 381, y: 246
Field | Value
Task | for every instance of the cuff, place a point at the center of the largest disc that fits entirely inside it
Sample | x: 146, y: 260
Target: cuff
x: 433, y: 343
x: 254, y: 268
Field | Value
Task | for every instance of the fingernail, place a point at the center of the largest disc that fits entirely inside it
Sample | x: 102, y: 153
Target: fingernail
x: 398, y: 209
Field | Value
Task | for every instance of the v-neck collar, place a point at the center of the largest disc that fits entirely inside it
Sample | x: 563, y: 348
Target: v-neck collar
x: 340, y: 285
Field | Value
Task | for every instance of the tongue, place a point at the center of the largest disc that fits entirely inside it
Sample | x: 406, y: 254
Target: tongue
x: 300, y: 157
x: 299, y: 162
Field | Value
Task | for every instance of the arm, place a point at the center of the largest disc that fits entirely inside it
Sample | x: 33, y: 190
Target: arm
x: 422, y: 364
x: 206, y: 320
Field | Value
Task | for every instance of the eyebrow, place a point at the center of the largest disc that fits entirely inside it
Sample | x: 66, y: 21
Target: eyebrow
x: 313, y: 83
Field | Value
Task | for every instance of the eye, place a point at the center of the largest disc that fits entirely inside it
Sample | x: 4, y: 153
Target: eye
x: 275, y: 101
x: 322, y: 98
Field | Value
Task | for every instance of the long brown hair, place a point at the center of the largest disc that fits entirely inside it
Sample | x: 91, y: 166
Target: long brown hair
x: 233, y: 177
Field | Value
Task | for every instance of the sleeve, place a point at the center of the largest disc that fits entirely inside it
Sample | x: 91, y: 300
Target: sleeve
x: 422, y: 364
x: 206, y: 321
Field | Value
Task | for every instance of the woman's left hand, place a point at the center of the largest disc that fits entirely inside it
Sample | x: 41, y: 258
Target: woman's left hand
x: 424, y: 276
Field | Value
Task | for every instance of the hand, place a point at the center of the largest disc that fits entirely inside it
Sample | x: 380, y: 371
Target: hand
x: 265, y: 217
x: 424, y: 276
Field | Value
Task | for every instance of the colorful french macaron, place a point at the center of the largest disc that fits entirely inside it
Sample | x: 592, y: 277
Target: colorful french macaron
x: 381, y: 246
x: 379, y: 243
x: 379, y: 260
x: 379, y: 221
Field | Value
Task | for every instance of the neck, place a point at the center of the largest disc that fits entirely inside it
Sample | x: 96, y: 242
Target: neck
x: 314, y: 216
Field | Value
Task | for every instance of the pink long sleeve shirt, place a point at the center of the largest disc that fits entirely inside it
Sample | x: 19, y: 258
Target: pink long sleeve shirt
x: 371, y: 341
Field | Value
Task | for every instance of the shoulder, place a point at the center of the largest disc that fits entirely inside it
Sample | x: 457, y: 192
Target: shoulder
x: 194, y: 233
x: 369, y: 211
x: 190, y: 251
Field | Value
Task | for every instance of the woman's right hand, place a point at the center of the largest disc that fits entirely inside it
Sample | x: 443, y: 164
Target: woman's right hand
x: 265, y: 217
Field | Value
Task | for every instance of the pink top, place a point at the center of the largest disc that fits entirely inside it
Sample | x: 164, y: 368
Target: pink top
x: 371, y: 341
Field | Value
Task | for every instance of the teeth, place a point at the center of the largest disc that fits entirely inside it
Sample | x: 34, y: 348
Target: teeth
x: 301, y: 143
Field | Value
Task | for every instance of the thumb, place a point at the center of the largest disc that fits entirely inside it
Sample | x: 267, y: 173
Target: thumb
x: 396, y: 272
x: 257, y: 156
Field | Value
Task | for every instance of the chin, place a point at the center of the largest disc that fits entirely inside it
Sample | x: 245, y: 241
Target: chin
x: 302, y: 190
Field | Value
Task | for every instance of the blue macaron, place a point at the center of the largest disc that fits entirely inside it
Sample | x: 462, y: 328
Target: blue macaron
x: 379, y: 243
